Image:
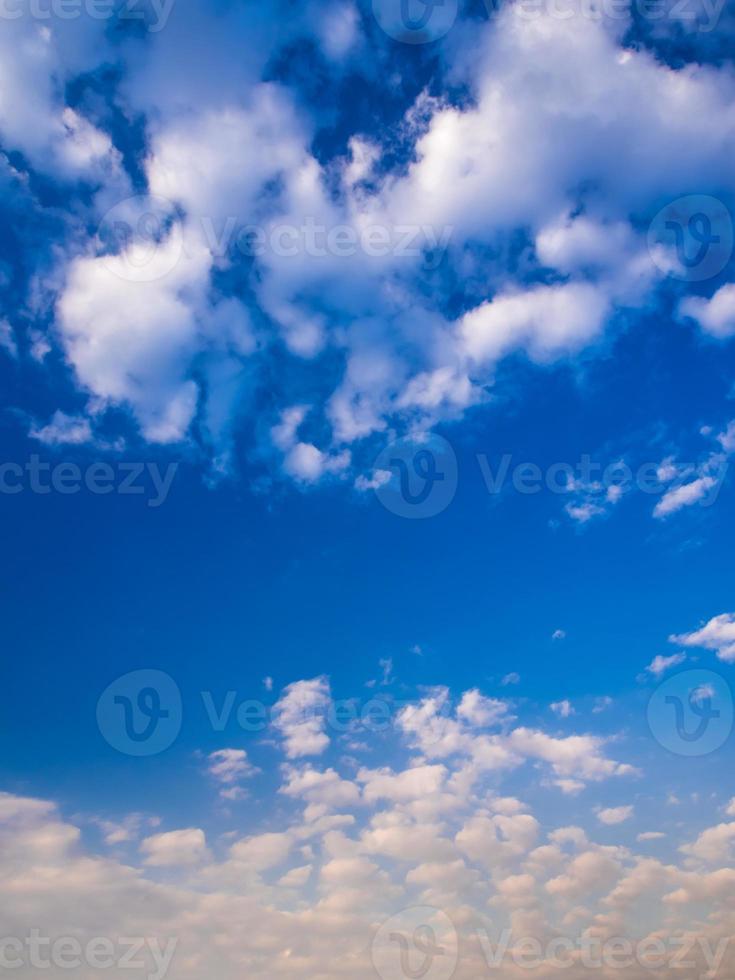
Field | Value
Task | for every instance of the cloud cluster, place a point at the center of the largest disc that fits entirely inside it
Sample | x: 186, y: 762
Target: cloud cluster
x: 360, y: 844
x: 718, y: 635
x: 534, y: 192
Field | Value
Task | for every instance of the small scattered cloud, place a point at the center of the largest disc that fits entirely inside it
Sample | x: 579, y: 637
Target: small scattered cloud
x: 602, y: 704
x: 300, y: 717
x: 229, y: 767
x: 718, y: 635
x: 7, y: 339
x: 63, y: 430
x: 614, y: 815
x: 659, y: 665
x: 563, y: 709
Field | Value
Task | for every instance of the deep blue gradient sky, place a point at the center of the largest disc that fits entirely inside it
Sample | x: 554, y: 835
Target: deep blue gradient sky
x: 223, y: 586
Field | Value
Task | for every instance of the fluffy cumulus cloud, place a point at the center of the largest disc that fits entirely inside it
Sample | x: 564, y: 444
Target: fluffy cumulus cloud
x: 300, y: 717
x: 174, y: 848
x: 718, y: 635
x: 615, y: 814
x: 229, y: 767
x: 357, y: 846
x: 215, y: 257
x: 221, y: 245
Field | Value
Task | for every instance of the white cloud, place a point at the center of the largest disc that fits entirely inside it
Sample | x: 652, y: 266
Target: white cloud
x: 300, y: 716
x: 713, y: 846
x: 716, y: 316
x: 660, y: 664
x: 7, y: 338
x: 307, y: 463
x: 587, y: 872
x: 322, y: 887
x: 63, y: 430
x: 411, y: 784
x: 602, y: 704
x: 684, y: 496
x: 133, y: 341
x: 323, y: 788
x: 262, y: 851
x: 614, y: 815
x: 482, y: 712
x: 229, y: 767
x: 568, y: 166
x: 548, y: 321
x: 175, y: 848
x: 216, y: 162
x: 296, y: 877
x: 718, y: 635
x: 562, y: 708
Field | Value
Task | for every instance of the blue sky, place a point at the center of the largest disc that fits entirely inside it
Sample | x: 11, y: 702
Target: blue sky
x: 352, y: 368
